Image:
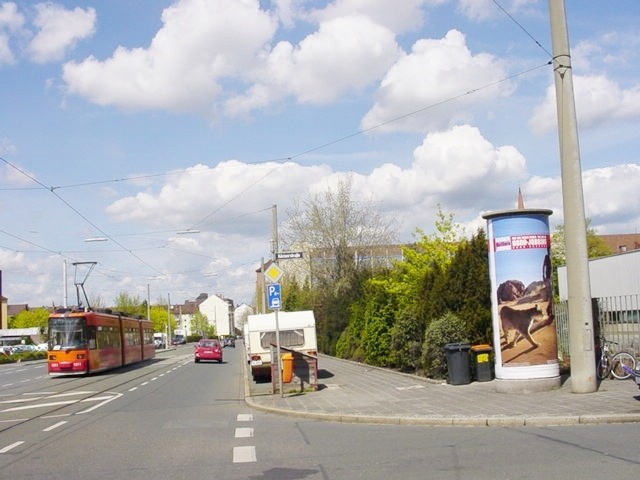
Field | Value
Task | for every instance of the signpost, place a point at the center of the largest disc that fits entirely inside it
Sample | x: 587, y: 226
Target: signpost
x: 274, y: 302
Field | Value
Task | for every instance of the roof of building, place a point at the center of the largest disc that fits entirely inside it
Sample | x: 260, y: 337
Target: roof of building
x: 622, y: 242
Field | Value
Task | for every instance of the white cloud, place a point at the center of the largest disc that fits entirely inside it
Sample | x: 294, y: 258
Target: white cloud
x: 436, y: 76
x: 345, y: 54
x: 607, y: 196
x: 200, y: 43
x: 10, y: 21
x: 598, y: 100
x: 456, y: 168
x: 59, y: 30
x: 215, y: 191
x: 6, y: 146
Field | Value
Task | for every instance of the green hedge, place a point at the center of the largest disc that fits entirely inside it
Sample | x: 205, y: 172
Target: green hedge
x: 22, y: 356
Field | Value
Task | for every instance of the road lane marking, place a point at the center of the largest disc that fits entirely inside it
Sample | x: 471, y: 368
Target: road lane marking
x: 244, y: 454
x: 244, y: 417
x: 108, y: 399
x: 54, y: 426
x: 39, y: 405
x: 11, y: 447
x: 244, y: 432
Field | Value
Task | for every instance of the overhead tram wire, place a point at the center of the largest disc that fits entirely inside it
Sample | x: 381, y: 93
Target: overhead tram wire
x: 549, y: 54
x: 365, y: 130
x: 80, y: 214
x: 289, y: 158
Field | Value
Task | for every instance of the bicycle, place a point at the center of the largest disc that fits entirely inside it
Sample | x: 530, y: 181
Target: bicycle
x: 609, y: 364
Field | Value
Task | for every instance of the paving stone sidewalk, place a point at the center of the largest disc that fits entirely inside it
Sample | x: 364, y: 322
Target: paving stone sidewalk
x: 354, y: 392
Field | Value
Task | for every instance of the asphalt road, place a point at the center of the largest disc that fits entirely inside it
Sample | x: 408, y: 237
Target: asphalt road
x: 174, y: 419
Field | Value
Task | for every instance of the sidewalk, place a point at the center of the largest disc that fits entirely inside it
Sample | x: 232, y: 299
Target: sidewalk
x: 354, y: 392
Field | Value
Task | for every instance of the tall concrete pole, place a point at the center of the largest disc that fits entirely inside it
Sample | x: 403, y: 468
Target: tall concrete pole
x: 581, y: 340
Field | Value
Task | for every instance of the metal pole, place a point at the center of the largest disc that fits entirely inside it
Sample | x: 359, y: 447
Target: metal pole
x: 167, y: 342
x: 279, y: 364
x: 148, y: 302
x: 65, y: 302
x: 263, y: 293
x: 274, y: 253
x: 581, y: 339
x: 274, y: 232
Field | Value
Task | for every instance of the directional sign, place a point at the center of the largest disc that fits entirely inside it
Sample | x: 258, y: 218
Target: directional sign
x: 273, y: 296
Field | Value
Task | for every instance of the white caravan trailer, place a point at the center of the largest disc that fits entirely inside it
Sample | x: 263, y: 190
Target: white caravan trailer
x: 297, y: 332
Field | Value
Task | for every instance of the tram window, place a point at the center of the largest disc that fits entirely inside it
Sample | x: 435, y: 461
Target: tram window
x: 91, y: 335
x: 67, y: 336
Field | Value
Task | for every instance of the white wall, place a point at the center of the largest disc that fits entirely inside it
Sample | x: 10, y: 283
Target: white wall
x: 610, y: 276
x: 217, y: 312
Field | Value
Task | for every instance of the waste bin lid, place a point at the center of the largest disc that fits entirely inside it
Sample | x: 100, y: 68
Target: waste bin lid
x: 481, y: 348
x: 457, y: 346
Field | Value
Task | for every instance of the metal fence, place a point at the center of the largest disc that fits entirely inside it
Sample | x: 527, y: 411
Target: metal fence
x: 616, y: 318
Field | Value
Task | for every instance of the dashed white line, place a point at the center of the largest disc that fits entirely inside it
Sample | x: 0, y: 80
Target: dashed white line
x: 244, y: 417
x: 11, y: 447
x: 244, y: 432
x: 244, y: 454
x: 54, y: 426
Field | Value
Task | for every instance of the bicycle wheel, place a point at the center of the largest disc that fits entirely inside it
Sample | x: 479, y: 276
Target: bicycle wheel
x: 618, y: 360
x: 603, y: 368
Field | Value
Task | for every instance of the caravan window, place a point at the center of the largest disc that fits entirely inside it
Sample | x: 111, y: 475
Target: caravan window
x: 288, y: 338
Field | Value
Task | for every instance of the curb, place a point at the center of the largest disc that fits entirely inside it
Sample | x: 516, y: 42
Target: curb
x: 455, y: 421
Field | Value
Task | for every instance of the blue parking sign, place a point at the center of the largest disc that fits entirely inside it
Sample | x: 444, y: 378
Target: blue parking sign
x: 273, y: 296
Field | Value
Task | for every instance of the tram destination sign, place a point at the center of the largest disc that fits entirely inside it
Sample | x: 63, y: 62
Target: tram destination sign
x: 288, y: 255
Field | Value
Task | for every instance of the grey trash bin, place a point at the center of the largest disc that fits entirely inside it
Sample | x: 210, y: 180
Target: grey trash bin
x: 458, y: 365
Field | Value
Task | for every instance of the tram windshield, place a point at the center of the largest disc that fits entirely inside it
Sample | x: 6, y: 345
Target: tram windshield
x: 67, y: 333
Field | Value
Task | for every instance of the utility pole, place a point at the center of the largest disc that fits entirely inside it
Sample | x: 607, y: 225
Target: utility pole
x: 581, y: 336
x: 168, y: 341
x: 274, y: 233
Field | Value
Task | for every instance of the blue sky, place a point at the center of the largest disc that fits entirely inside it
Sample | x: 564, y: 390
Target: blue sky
x: 135, y: 119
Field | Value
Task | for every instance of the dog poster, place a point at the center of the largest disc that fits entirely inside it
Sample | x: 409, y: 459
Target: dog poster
x: 524, y: 330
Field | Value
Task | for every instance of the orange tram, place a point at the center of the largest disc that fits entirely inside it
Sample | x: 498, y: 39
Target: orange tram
x: 82, y: 342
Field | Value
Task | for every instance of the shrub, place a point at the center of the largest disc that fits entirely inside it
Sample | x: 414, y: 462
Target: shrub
x: 447, y: 329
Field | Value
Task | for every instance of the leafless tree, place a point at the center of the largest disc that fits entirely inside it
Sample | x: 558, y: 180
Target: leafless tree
x: 337, y: 231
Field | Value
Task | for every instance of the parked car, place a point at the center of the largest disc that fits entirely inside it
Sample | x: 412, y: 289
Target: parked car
x: 229, y: 342
x: 22, y: 349
x: 208, y: 349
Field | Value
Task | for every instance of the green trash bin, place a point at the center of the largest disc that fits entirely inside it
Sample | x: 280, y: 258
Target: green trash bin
x: 483, y: 366
x: 458, y: 366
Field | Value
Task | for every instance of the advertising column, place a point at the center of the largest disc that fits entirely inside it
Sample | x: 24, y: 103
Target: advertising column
x: 524, y: 331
